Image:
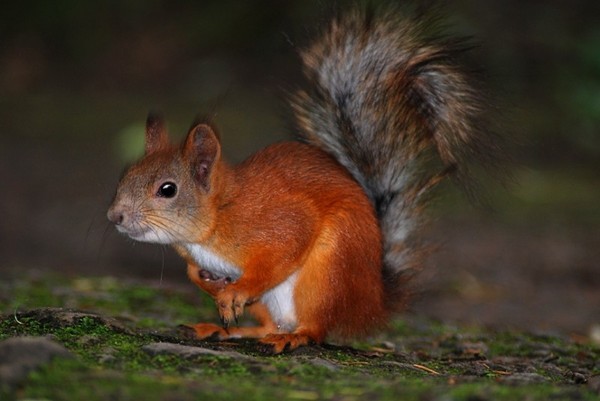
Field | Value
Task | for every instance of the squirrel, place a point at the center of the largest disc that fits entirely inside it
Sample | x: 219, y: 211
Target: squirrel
x: 318, y: 237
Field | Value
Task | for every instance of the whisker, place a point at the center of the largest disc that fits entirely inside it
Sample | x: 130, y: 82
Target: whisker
x: 105, y: 234
x: 162, y: 267
x: 88, y: 231
x: 170, y: 226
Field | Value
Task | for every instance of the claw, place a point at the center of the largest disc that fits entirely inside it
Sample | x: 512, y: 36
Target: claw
x: 266, y: 348
x: 186, y: 331
x: 223, y: 313
x: 238, y: 310
x: 230, y: 304
x: 285, y: 342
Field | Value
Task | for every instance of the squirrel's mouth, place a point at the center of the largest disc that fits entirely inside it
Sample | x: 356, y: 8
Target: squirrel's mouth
x: 132, y: 233
x: 146, y: 234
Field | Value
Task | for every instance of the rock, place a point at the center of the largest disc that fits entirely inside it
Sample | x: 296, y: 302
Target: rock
x: 323, y: 363
x: 524, y: 378
x: 595, y: 334
x: 188, y: 351
x: 593, y: 384
x: 20, y: 355
x: 60, y: 317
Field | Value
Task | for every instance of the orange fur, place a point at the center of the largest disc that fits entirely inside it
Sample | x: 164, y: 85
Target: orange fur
x: 318, y: 238
x: 298, y: 232
x: 286, y: 215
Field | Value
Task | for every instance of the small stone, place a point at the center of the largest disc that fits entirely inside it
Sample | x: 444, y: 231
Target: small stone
x: 320, y: 362
x: 578, y: 378
x: 188, y: 351
x: 20, y: 355
x: 389, y: 345
x: 472, y: 349
x: 593, y: 384
x: 524, y: 378
x: 595, y: 334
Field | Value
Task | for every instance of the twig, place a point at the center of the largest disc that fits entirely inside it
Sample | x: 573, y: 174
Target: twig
x: 16, y: 318
x: 426, y: 369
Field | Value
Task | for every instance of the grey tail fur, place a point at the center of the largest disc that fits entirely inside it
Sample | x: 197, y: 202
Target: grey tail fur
x: 388, y: 99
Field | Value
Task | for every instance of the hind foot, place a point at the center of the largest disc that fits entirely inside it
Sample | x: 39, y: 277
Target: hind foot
x: 277, y: 343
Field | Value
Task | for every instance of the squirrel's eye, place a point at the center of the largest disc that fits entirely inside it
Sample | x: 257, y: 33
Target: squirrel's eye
x: 167, y: 190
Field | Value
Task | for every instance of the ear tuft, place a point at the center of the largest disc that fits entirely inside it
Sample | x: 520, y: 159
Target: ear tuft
x: 203, y: 149
x: 156, y: 133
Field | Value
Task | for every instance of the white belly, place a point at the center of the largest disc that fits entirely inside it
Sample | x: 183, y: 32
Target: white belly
x: 280, y: 302
x: 217, y: 265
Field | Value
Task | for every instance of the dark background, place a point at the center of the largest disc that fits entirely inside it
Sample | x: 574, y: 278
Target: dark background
x: 78, y: 78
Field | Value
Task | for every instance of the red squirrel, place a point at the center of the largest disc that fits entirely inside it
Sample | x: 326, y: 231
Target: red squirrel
x: 317, y: 237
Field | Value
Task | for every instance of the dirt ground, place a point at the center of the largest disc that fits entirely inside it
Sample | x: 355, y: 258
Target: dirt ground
x: 538, y: 279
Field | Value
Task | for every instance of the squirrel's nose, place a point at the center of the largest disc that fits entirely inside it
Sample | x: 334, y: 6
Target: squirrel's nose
x: 116, y: 216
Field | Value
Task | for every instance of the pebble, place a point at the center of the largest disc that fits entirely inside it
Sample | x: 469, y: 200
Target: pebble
x: 188, y: 351
x: 593, y: 384
x: 21, y: 355
x: 524, y: 378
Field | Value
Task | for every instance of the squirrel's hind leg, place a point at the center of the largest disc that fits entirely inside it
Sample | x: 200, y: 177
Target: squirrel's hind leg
x: 339, y: 288
x: 279, y: 342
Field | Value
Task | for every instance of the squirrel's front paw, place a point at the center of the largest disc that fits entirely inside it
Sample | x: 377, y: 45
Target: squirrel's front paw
x: 230, y: 303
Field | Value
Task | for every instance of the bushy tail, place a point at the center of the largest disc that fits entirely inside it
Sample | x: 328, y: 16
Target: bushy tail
x: 387, y: 98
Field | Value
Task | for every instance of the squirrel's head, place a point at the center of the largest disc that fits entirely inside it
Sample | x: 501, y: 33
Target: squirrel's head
x: 167, y: 196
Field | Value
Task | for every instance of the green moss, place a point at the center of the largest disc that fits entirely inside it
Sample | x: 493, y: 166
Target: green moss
x: 72, y: 380
x: 432, y: 361
x: 475, y: 391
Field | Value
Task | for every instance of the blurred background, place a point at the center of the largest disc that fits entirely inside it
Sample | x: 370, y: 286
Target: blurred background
x: 77, y: 79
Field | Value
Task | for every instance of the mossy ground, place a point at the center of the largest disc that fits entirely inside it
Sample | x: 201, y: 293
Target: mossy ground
x: 415, y: 359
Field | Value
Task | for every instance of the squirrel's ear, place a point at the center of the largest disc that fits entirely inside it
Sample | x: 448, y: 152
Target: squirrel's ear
x: 203, y: 149
x: 156, y: 133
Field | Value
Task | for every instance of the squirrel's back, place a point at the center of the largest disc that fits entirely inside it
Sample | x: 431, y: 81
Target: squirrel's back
x: 386, y: 96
